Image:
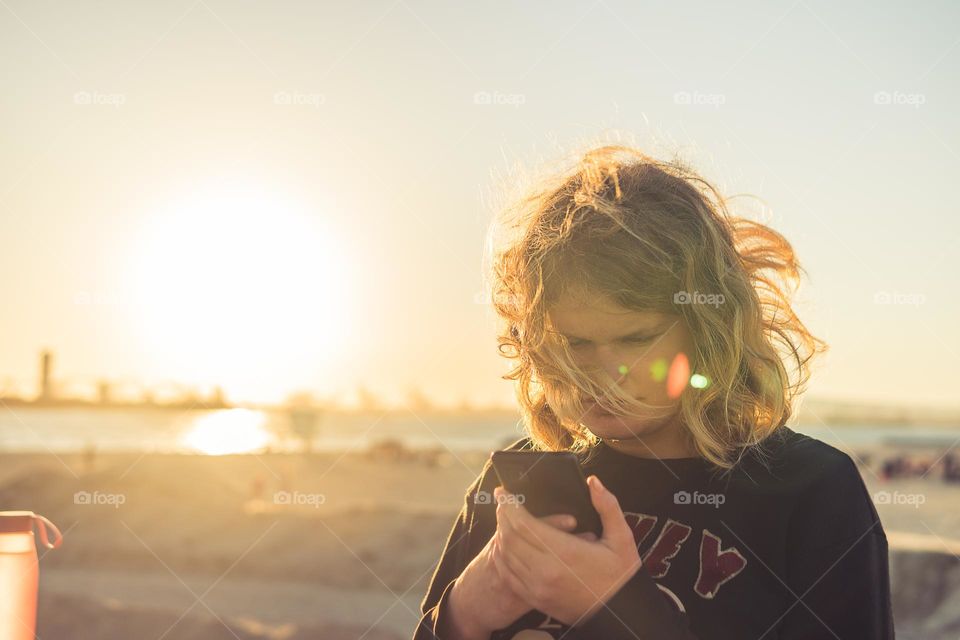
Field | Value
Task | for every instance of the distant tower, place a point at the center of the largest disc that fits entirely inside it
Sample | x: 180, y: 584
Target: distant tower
x: 366, y: 400
x: 103, y: 392
x: 217, y: 398
x: 46, y: 384
x: 417, y: 401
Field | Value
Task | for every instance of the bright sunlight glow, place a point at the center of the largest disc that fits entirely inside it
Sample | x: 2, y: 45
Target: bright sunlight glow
x: 241, y: 286
x: 229, y: 431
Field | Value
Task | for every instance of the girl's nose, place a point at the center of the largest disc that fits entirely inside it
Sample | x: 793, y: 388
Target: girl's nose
x: 611, y: 361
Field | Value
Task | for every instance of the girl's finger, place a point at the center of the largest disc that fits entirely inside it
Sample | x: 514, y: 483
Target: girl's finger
x: 615, y: 527
x: 521, y: 554
x: 561, y: 521
x: 518, y: 586
x: 511, y: 575
x: 514, y: 525
x: 504, y: 510
x: 538, y: 533
x: 518, y: 564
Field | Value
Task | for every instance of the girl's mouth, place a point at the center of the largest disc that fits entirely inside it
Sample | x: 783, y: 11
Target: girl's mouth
x: 591, y: 406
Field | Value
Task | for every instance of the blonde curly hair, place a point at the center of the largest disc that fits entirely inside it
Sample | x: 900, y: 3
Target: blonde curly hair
x: 638, y: 231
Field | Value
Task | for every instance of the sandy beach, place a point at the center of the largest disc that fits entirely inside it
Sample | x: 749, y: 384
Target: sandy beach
x: 356, y: 553
x: 332, y: 545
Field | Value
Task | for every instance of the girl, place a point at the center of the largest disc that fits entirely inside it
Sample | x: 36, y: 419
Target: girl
x: 652, y: 335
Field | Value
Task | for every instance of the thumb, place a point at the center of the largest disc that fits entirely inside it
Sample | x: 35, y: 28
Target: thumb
x: 615, y: 527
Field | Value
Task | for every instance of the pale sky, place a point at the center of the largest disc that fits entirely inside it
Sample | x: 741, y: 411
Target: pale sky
x: 279, y: 196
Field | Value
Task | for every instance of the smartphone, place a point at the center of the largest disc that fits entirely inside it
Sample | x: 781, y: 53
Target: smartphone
x: 548, y: 482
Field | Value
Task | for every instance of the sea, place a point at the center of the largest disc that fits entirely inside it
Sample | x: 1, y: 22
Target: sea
x: 248, y: 430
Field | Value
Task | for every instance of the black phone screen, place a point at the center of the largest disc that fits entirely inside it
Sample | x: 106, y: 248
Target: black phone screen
x: 547, y: 483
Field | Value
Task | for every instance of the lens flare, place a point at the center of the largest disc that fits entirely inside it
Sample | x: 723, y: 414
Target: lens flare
x: 658, y: 370
x: 678, y: 375
x: 699, y: 381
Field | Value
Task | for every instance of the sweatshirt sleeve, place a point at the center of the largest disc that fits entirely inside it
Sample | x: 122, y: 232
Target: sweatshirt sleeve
x: 454, y: 558
x: 838, y: 572
x: 639, y: 610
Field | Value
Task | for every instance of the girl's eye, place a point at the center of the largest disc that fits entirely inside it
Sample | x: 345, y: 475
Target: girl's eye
x: 638, y: 339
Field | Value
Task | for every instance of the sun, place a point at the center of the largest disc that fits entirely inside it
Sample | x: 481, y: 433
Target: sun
x: 226, y: 432
x: 240, y: 286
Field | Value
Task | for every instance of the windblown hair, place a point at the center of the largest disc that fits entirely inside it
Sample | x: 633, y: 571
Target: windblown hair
x: 641, y: 232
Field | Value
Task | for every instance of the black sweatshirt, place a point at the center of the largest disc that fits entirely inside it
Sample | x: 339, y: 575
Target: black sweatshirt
x: 792, y: 550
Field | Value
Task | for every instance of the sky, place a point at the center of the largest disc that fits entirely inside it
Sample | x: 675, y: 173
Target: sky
x: 365, y: 145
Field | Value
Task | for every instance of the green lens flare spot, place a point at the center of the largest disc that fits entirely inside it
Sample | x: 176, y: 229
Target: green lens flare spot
x: 698, y: 381
x: 623, y: 369
x: 658, y: 370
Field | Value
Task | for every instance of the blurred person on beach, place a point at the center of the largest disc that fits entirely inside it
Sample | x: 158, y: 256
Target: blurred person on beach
x: 652, y: 334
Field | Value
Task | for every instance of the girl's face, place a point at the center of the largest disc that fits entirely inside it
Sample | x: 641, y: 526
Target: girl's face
x: 607, y: 337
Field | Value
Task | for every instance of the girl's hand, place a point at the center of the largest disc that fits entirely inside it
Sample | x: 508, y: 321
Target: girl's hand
x: 481, y: 600
x: 565, y: 576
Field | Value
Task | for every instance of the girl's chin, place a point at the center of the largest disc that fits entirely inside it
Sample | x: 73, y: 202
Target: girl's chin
x: 608, y: 425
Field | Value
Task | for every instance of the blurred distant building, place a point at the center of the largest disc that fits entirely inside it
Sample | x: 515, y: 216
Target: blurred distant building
x: 217, y: 398
x: 418, y: 402
x: 304, y: 415
x: 46, y: 382
x: 103, y: 392
x: 464, y: 406
x: 367, y: 400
